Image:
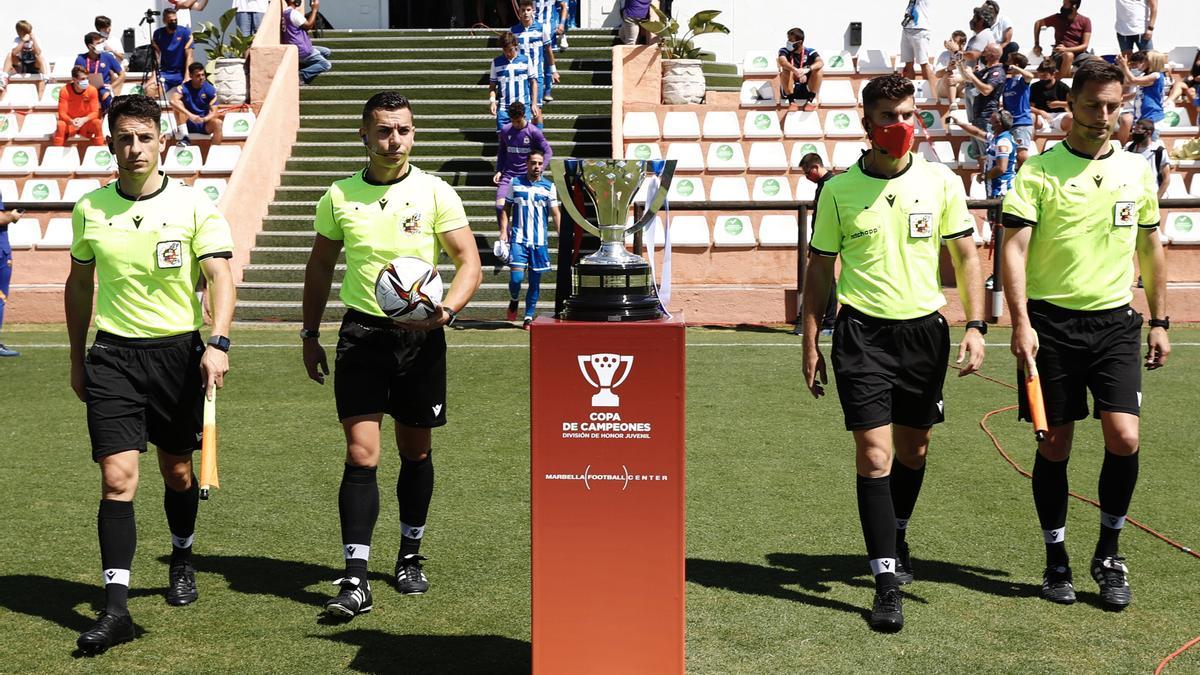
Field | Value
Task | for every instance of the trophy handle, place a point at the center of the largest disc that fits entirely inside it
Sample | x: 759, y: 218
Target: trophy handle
x: 628, y: 361
x: 660, y: 196
x: 559, y: 169
x: 583, y: 361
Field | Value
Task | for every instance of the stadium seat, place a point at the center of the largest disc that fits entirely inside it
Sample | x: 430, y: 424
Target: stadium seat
x: 802, y: 125
x: 771, y: 188
x: 18, y: 160
x: 799, y: 150
x: 687, y: 155
x: 643, y: 151
x: 49, y: 99
x: 1176, y: 188
x: 806, y: 190
x: 60, y: 70
x: 758, y: 93
x: 639, y: 125
x: 1183, y: 228
x: 733, y: 231
x: 922, y: 96
x: 729, y: 189
x: 8, y: 190
x: 759, y: 63
x: 960, y: 115
x: 59, y: 160
x: 841, y: 63
x: 183, y: 160
x: 78, y: 187
x: 654, y: 228
x: 838, y: 93
x: 25, y: 233
x: 8, y: 126
x: 778, y: 230
x: 213, y: 188
x: 933, y: 123
x: 977, y: 190
x: 968, y: 155
x: 726, y: 157
x: 762, y: 125
x: 19, y: 96
x: 681, y: 124
x: 1195, y: 189
x: 236, y: 126
x: 938, y: 152
x: 875, y: 63
x: 1177, y: 122
x: 1181, y: 58
x: 722, y: 124
x: 58, y: 234
x: 686, y: 189
x: 41, y: 191
x: 846, y: 154
x: 97, y: 161
x: 843, y: 124
x: 689, y: 231
x: 37, y: 127
x: 768, y: 156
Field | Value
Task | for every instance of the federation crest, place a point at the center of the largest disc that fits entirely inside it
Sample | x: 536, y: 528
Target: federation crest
x: 1124, y: 214
x: 170, y: 254
x: 920, y: 225
x: 411, y: 223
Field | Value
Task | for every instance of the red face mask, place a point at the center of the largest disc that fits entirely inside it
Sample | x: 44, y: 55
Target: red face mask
x: 895, y: 139
x: 812, y: 175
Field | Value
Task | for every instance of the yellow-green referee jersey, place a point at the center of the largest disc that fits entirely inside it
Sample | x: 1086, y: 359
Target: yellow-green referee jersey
x: 147, y: 252
x: 1083, y: 212
x: 377, y: 223
x: 889, y: 233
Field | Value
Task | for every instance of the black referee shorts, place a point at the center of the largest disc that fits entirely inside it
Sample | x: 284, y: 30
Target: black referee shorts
x: 141, y: 390
x: 888, y: 371
x: 384, y: 369
x: 1078, y: 351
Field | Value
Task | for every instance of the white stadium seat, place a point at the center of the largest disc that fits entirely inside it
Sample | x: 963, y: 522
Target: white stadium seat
x: 938, y: 152
x: 1181, y: 57
x: 37, y: 127
x: 78, y: 187
x: 768, y: 156
x: 1176, y: 188
x: 9, y: 126
x: 838, y: 93
x: 726, y: 157
x: 49, y: 99
x: 933, y: 123
x: 1183, y: 228
x: 968, y: 155
x: 729, y: 189
x: 19, y: 160
x: 58, y: 234
x: 758, y: 93
x: 25, y: 233
x: 213, y: 188
x: 639, y: 125
x: 237, y: 126
x: 806, y: 190
x: 41, y: 191
x: 843, y: 124
x: 876, y: 63
x: 977, y: 190
x: 801, y: 124
x: 222, y: 159
x: 733, y: 231
x: 8, y: 190
x: 183, y: 160
x: 60, y: 70
x: 687, y: 155
x: 961, y: 116
x: 771, y: 188
x: 760, y: 63
x: 778, y: 230
x: 1177, y: 122
x: 686, y: 189
x: 643, y: 151
x: 1195, y: 189
x: 846, y: 154
x: 762, y: 125
x: 59, y: 160
x: 722, y: 124
x: 689, y: 231
x: 19, y: 96
x: 681, y: 124
x: 922, y: 96
x: 97, y: 161
x: 799, y: 150
x: 837, y: 62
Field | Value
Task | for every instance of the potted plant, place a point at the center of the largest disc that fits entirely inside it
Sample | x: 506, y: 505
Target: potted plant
x: 226, y: 57
x: 683, y: 74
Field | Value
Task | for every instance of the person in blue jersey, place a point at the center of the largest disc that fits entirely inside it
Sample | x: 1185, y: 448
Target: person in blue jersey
x: 1017, y: 102
x: 173, y: 45
x: 192, y: 102
x: 1145, y: 70
x: 6, y: 218
x: 512, y: 81
x: 1000, y: 156
x: 799, y: 72
x: 524, y: 223
x: 109, y: 75
x: 533, y: 42
x: 552, y: 14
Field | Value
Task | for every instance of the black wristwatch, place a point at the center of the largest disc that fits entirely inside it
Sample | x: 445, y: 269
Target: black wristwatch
x: 308, y: 334
x: 220, y: 342
x: 980, y: 326
x: 1164, y: 323
x: 453, y: 316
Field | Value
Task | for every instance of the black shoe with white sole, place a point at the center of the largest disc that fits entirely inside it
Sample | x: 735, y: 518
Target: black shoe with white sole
x: 1058, y: 584
x: 354, y: 598
x: 1112, y: 576
x: 410, y: 578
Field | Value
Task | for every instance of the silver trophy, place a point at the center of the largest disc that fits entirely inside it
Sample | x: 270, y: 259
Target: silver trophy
x: 611, y: 284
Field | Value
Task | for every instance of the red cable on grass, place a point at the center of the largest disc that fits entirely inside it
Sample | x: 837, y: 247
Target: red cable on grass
x: 996, y: 442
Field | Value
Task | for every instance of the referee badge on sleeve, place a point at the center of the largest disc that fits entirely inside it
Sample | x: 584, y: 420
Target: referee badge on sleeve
x: 1124, y: 214
x: 920, y: 225
x: 170, y: 254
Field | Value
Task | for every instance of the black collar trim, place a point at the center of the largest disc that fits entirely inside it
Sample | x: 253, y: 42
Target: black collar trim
x: 368, y: 181
x: 1080, y: 155
x: 862, y: 166
x: 156, y: 193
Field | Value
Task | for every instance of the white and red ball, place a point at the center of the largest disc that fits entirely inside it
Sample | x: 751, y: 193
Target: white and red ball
x: 409, y: 289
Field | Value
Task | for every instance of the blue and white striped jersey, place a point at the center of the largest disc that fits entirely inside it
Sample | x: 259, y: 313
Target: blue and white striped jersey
x: 531, y: 209
x: 543, y: 13
x: 531, y: 43
x: 512, y: 79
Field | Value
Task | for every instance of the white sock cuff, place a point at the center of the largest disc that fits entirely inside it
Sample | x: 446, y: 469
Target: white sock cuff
x: 883, y: 565
x: 902, y: 523
x: 356, y: 551
x: 411, y: 532
x: 1055, y: 536
x: 1112, y: 522
x: 182, y: 542
x: 116, y: 576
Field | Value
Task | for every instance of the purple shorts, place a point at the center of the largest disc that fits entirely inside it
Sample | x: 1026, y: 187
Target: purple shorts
x: 502, y: 188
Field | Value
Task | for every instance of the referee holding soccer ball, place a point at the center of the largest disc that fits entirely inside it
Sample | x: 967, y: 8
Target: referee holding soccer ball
x: 887, y: 218
x: 389, y: 209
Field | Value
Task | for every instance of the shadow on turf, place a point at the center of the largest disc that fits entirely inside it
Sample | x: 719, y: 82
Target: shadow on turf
x: 381, y: 652
x: 258, y: 575
x: 55, y: 600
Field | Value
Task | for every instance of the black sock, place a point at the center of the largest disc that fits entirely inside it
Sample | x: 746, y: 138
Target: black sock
x: 181, y: 508
x: 358, y: 507
x: 906, y: 485
x: 1050, y: 500
x: 414, y: 490
x: 878, y: 520
x: 118, y: 539
x: 1118, y: 476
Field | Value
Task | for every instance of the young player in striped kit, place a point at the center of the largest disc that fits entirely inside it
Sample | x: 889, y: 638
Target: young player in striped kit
x: 512, y: 80
x: 523, y: 224
x: 552, y: 14
x: 533, y: 41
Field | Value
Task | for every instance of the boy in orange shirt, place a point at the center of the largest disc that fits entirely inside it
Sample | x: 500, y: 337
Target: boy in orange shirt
x: 79, y: 110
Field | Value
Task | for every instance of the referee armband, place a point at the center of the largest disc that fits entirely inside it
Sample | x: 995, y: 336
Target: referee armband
x: 1015, y: 221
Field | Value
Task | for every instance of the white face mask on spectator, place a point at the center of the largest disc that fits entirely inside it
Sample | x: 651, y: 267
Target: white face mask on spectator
x: 81, y: 85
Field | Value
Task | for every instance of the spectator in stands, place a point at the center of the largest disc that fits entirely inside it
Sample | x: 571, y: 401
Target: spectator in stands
x: 249, y: 15
x: 104, y: 70
x: 6, y: 218
x: 814, y: 170
x: 294, y: 28
x: 518, y: 139
x: 633, y: 11
x: 1016, y: 102
x: 1072, y: 36
x: 988, y: 82
x: 1002, y: 31
x: 533, y: 42
x: 26, y: 56
x: 512, y: 80
x: 1146, y: 71
x: 1143, y: 143
x: 173, y: 45
x: 1135, y: 24
x: 982, y: 19
x: 949, y: 81
x: 1186, y: 90
x: 104, y: 28
x: 799, y: 72
x: 1048, y: 98
x: 998, y: 164
x: 193, y: 105
x: 914, y: 39
x: 79, y: 110
x: 530, y: 204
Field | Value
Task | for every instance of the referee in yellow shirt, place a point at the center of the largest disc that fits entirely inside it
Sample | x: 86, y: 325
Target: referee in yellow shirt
x: 390, y: 208
x: 1074, y: 219
x: 887, y: 217
x: 146, y: 239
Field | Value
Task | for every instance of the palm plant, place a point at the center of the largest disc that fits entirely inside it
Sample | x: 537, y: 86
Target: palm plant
x: 676, y: 46
x: 221, y: 43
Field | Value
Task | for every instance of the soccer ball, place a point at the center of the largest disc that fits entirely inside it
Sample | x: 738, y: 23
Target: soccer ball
x: 409, y: 289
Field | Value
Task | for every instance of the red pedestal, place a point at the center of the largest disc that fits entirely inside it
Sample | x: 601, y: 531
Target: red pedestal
x: 608, y: 496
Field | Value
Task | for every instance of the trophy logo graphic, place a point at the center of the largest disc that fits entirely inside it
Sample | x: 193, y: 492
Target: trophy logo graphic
x: 605, y: 366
